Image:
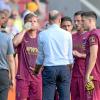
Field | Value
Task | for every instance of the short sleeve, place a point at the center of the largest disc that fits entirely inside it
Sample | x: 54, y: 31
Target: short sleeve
x: 10, y: 49
x: 93, y: 40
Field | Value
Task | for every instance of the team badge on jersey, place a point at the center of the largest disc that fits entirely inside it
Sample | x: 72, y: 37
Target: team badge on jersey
x: 92, y: 40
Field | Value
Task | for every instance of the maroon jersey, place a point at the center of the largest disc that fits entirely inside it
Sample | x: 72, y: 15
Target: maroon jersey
x: 94, y: 39
x: 79, y: 42
x: 27, y: 53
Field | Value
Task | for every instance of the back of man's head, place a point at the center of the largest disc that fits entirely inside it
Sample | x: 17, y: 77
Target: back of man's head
x: 54, y: 15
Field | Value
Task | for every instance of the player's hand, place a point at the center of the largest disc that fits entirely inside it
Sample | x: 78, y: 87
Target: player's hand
x: 77, y: 54
x: 36, y: 70
x: 12, y: 84
x: 89, y: 85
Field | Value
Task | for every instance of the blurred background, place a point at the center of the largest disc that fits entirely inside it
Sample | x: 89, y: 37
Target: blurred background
x: 68, y: 7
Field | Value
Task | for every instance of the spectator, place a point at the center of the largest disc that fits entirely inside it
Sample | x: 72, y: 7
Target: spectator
x: 4, y: 4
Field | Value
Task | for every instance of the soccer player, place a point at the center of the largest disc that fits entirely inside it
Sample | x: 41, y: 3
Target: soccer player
x: 79, y: 52
x: 93, y: 54
x: 27, y: 85
x: 66, y: 24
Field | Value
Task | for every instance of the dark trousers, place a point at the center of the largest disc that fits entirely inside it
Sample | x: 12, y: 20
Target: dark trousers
x: 4, y: 84
x: 56, y: 76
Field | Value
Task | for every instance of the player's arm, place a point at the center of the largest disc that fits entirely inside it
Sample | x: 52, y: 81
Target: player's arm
x: 40, y: 56
x: 78, y: 54
x: 93, y: 42
x: 11, y: 62
x: 70, y: 52
x: 18, y: 38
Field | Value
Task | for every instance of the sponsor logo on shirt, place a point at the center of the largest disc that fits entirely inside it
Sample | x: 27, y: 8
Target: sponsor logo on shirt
x: 32, y: 50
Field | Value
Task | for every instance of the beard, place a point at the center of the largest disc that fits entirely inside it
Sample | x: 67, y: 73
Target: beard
x: 86, y: 28
x: 3, y: 25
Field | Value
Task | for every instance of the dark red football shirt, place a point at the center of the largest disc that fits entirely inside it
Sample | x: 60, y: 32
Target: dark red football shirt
x: 94, y: 39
